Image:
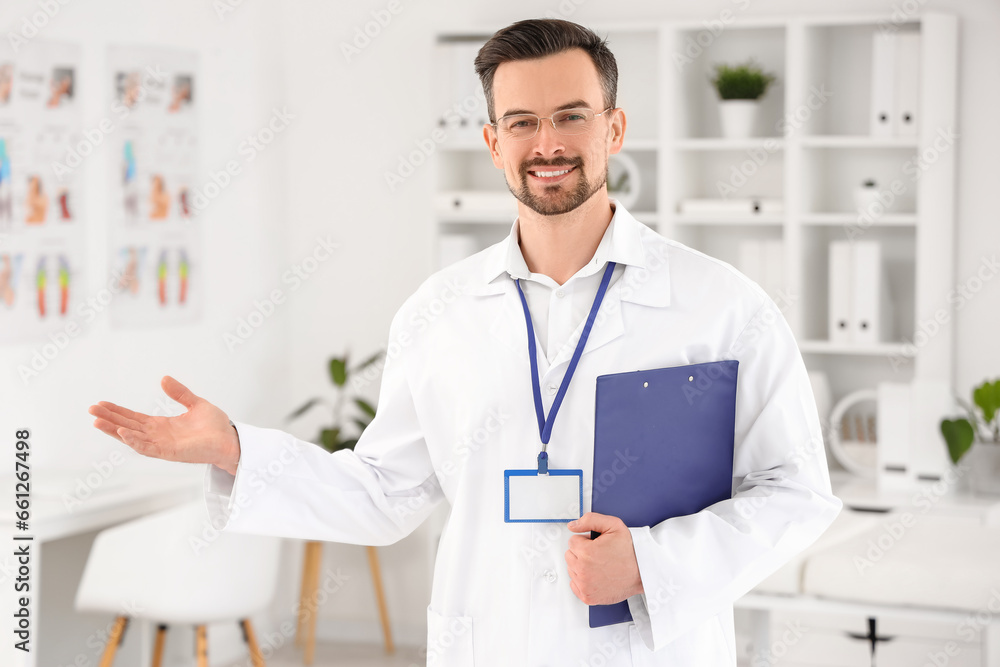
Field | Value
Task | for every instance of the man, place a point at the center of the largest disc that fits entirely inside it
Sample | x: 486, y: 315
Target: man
x: 456, y: 406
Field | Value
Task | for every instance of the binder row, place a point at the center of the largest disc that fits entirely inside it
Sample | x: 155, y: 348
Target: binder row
x: 860, y: 307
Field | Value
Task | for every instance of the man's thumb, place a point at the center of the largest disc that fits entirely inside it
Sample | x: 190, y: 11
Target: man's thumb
x: 601, y: 523
x: 178, y: 392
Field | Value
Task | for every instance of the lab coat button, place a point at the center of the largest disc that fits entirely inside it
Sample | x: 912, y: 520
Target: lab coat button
x: 551, y: 576
x: 560, y: 293
x: 552, y: 389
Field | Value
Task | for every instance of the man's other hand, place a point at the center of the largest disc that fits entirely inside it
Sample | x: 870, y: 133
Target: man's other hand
x: 603, y: 570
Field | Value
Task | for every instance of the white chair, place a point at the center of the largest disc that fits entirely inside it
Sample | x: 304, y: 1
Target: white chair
x: 173, y: 567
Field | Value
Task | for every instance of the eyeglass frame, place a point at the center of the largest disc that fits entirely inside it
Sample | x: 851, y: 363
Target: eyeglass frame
x: 496, y: 123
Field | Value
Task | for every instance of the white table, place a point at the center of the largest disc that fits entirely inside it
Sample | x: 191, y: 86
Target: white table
x: 63, y: 530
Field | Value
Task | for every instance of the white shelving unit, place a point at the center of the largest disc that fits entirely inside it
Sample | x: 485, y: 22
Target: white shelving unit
x: 814, y: 147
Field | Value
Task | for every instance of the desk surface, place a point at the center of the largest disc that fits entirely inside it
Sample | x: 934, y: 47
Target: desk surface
x: 66, y: 502
x: 864, y: 494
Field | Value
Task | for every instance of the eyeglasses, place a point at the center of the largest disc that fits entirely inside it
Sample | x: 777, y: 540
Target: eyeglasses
x: 521, y: 126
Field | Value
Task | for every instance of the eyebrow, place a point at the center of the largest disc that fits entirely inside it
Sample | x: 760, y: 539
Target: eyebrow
x: 569, y: 105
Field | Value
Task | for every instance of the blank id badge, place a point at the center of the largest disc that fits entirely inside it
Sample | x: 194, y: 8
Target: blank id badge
x: 530, y: 497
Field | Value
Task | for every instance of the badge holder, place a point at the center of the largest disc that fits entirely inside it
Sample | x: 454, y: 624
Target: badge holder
x: 542, y: 495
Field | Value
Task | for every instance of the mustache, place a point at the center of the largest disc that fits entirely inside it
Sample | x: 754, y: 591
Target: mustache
x: 558, y: 162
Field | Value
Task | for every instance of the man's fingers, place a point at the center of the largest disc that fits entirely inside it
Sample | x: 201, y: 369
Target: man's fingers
x: 124, y: 412
x: 109, y: 428
x: 115, y: 418
x: 139, y: 442
x: 178, y: 392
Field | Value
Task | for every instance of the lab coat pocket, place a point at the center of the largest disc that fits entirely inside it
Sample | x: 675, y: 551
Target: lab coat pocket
x: 449, y: 640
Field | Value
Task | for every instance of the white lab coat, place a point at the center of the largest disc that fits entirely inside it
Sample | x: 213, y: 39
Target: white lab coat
x: 455, y: 410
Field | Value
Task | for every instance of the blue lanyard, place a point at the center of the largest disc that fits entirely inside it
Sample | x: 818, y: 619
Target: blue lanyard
x: 545, y: 424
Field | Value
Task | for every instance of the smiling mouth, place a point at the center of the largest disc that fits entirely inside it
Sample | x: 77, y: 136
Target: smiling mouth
x: 550, y: 175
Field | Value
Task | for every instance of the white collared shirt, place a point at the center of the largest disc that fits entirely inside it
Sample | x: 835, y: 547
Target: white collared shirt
x: 558, y: 310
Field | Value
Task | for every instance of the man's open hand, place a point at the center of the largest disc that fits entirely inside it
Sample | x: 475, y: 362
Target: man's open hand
x: 200, y: 435
x: 602, y: 571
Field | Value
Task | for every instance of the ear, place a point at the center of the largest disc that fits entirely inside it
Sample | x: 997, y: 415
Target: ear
x: 616, y: 136
x: 493, y: 143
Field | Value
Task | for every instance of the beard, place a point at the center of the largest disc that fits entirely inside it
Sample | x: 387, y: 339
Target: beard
x: 557, y: 198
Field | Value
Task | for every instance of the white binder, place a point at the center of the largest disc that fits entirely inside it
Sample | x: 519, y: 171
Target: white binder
x: 907, y: 78
x: 840, y: 288
x: 883, y: 117
x: 895, y: 465
x: 870, y: 303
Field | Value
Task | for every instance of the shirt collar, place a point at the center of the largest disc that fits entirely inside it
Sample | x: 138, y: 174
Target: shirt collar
x: 620, y: 244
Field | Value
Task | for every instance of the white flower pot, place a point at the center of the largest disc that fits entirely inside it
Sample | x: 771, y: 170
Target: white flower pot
x: 982, y: 467
x: 738, y: 118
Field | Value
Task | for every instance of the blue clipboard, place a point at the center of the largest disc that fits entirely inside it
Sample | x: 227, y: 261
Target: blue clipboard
x: 663, y: 447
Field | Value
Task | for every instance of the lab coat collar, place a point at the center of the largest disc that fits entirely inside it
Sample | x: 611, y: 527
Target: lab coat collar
x: 627, y: 241
x: 645, y: 281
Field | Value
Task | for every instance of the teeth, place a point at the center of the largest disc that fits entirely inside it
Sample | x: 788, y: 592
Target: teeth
x: 550, y: 174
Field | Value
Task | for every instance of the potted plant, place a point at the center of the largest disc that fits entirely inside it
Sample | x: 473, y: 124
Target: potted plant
x: 976, y: 440
x: 333, y: 437
x: 740, y: 88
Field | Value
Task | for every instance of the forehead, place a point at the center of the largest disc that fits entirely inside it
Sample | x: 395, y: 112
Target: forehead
x: 543, y: 84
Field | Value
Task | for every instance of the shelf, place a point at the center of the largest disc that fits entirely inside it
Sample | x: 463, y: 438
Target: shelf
x: 880, y: 349
x: 858, y: 141
x: 886, y: 220
x: 488, y: 217
x: 640, y: 144
x: 699, y: 219
x: 721, y: 144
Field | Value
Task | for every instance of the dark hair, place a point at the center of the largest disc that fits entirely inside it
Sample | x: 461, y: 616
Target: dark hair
x: 537, y: 38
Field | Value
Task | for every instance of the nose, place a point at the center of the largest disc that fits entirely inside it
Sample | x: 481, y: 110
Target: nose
x: 547, y: 141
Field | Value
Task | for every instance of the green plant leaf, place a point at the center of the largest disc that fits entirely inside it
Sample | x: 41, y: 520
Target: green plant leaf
x: 987, y: 397
x: 338, y: 371
x: 741, y: 82
x: 330, y: 439
x: 959, y: 435
x: 311, y: 402
x: 362, y: 424
x: 346, y: 444
x: 365, y: 406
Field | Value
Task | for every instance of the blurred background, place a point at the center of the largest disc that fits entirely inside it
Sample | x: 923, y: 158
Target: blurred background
x: 304, y: 194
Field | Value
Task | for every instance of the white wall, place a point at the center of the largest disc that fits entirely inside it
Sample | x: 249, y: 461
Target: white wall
x: 354, y: 120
